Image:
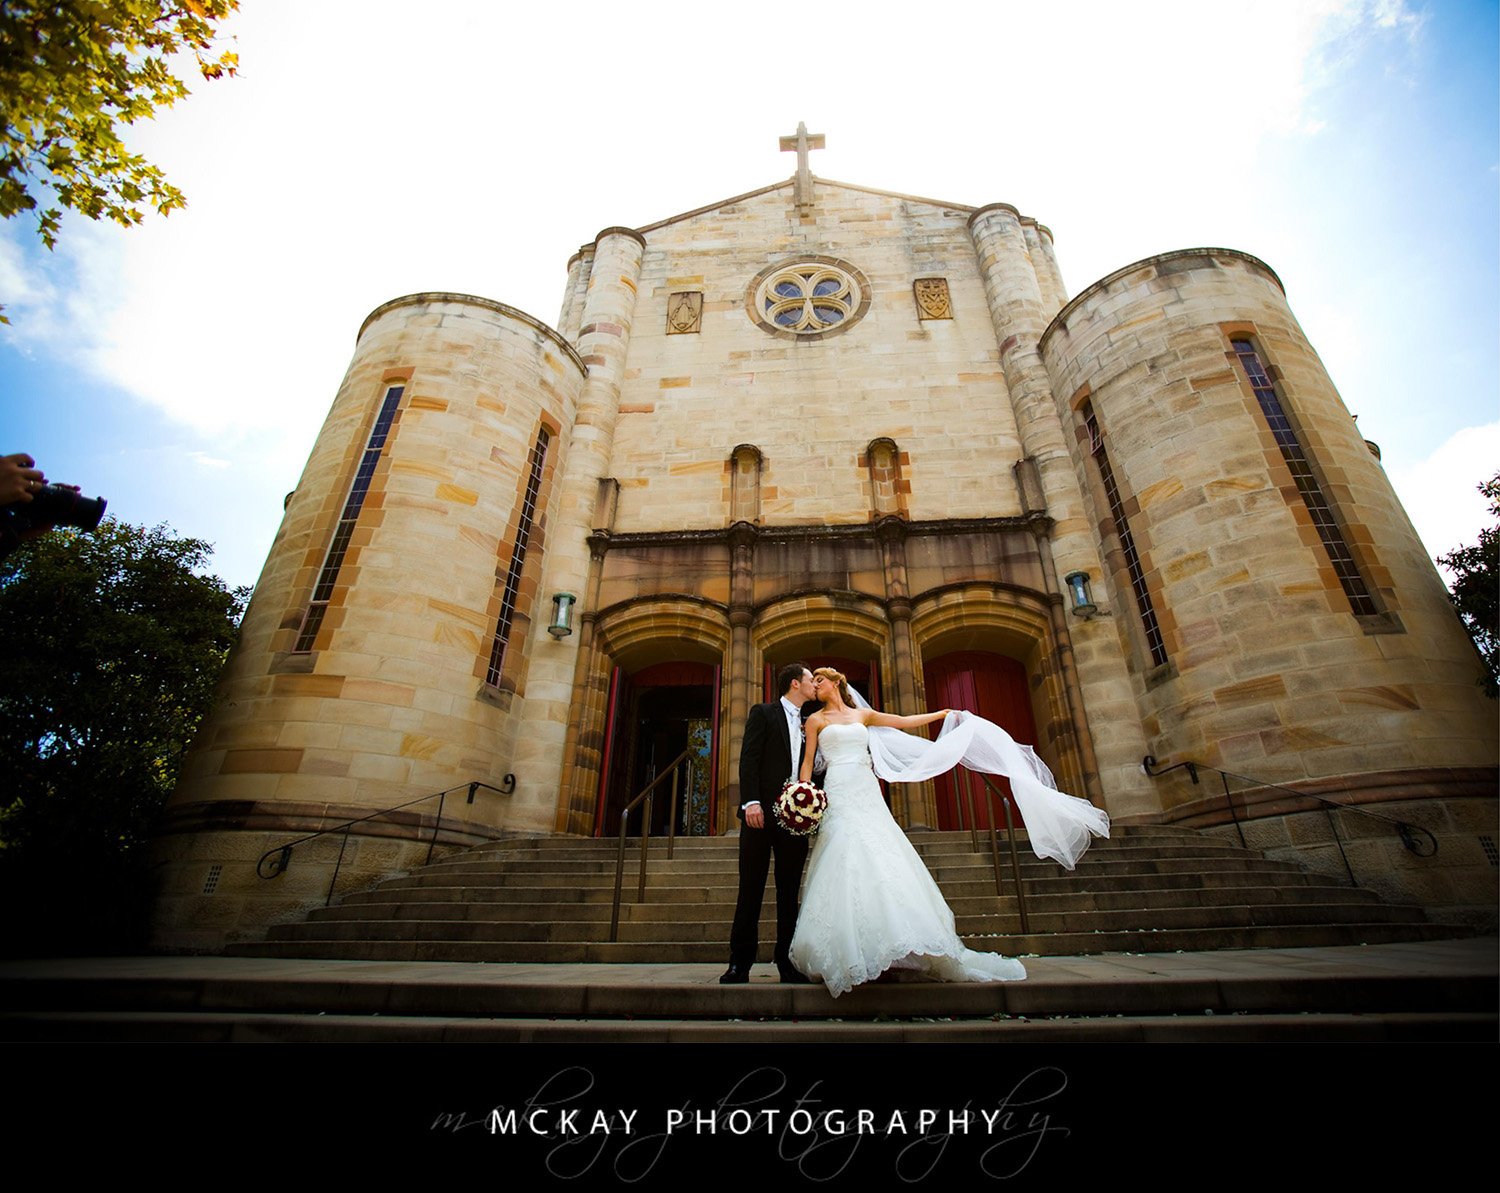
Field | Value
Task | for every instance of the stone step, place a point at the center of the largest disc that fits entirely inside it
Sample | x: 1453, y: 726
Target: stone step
x: 954, y: 854
x: 169, y: 1027
x: 919, y: 838
x: 1443, y: 991
x: 1453, y: 976
x: 680, y: 931
x: 1148, y: 883
x: 1080, y: 943
x: 726, y: 851
x: 677, y: 873
x: 405, y: 905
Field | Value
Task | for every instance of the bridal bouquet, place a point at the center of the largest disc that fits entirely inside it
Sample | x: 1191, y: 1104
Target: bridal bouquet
x: 799, y: 808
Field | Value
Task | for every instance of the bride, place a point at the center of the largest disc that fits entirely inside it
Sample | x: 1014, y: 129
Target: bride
x: 869, y: 904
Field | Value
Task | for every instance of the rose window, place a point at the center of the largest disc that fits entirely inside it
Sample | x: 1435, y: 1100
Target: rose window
x: 812, y: 297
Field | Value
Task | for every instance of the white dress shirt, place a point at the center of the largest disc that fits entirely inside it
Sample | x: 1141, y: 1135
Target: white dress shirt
x: 794, y: 732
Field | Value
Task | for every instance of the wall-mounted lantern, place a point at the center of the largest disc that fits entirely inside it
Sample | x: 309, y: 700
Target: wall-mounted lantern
x: 562, y: 615
x: 1083, y: 599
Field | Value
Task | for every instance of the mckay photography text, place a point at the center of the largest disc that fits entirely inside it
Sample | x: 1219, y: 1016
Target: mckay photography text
x: 764, y: 1116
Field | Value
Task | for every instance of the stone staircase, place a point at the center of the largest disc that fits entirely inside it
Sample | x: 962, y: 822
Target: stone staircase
x: 1146, y: 890
x: 1159, y: 935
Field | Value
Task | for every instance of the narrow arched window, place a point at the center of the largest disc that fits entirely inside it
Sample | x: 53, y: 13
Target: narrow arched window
x: 1319, y: 508
x: 1155, y: 643
x: 511, y: 586
x: 343, y: 533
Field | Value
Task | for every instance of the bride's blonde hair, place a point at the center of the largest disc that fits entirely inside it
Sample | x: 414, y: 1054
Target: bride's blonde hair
x: 837, y: 677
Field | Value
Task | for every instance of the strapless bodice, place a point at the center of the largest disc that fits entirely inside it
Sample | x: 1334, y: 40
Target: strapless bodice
x: 845, y: 745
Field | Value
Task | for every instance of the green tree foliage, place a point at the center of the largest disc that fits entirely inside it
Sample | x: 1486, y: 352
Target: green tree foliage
x: 72, y: 72
x: 1476, y: 587
x: 110, y: 645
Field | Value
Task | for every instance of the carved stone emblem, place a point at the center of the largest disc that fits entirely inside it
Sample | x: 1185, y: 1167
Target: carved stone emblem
x: 685, y: 313
x: 932, y: 298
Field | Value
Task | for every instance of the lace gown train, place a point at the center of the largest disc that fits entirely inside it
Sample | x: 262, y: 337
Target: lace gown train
x: 869, y: 904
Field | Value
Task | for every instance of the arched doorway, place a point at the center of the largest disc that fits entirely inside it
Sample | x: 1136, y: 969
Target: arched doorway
x: 654, y: 714
x: 993, y: 685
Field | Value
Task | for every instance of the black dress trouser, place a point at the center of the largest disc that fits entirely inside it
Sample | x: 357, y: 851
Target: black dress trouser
x: 757, y: 846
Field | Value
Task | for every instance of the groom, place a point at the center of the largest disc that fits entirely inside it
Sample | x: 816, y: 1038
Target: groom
x: 770, y: 755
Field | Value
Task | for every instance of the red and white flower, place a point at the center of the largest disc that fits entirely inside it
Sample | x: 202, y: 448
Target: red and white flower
x: 799, y: 808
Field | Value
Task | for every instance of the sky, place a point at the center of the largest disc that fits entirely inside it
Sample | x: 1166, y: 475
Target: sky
x: 183, y: 368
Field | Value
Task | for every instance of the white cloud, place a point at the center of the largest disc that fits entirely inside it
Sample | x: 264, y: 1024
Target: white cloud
x: 20, y: 286
x: 361, y: 155
x: 57, y: 300
x: 1327, y: 38
x: 1394, y: 14
x: 322, y: 183
x: 1440, y: 493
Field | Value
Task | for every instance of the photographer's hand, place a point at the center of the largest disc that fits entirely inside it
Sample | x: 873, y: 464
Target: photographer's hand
x: 19, y: 478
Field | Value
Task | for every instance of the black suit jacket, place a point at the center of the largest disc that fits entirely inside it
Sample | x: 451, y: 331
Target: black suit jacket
x: 766, y: 754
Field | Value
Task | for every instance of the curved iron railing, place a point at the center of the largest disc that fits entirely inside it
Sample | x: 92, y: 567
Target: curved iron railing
x: 280, y: 857
x: 1406, y: 831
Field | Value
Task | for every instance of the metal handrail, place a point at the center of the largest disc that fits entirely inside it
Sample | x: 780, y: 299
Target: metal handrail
x: 1406, y: 831
x: 283, y: 853
x: 1010, y: 836
x: 647, y: 793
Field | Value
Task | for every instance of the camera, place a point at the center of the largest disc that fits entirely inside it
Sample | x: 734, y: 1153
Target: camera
x: 51, y: 505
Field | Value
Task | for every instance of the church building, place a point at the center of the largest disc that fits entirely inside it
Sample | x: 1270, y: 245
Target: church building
x: 825, y: 422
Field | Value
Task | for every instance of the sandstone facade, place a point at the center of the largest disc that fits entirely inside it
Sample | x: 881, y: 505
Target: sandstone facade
x: 863, y: 428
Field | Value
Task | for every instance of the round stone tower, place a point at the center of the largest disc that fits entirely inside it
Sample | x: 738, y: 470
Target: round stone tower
x: 1279, y: 616
x: 384, y: 655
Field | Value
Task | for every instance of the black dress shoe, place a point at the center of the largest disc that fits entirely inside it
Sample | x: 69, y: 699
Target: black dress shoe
x: 735, y: 975
x: 794, y: 977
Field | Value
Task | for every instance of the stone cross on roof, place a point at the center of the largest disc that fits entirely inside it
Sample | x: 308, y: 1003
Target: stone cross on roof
x: 802, y: 142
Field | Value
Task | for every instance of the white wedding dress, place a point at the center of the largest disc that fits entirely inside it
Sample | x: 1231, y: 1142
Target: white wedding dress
x: 869, y: 903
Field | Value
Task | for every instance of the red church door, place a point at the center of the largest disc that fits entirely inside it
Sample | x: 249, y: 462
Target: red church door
x: 995, y: 687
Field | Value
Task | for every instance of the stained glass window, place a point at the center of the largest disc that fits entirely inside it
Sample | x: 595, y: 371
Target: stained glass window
x: 344, y: 531
x: 512, y: 587
x: 1154, y: 640
x: 1318, y: 506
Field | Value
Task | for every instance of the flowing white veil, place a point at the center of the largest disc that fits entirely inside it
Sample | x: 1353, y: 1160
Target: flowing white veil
x: 1058, y: 825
